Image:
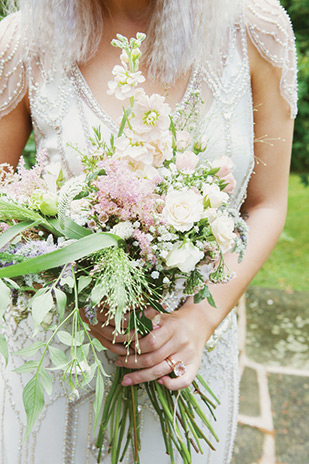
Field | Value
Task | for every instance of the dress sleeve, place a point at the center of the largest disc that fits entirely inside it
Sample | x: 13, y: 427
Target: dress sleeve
x: 270, y: 30
x: 12, y: 70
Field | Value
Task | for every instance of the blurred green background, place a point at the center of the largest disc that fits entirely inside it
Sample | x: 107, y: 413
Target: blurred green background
x: 287, y: 268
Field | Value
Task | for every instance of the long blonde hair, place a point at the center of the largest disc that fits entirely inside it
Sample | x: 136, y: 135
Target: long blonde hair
x: 180, y: 33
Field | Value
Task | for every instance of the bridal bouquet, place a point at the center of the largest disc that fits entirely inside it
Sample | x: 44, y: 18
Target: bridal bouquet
x: 143, y: 219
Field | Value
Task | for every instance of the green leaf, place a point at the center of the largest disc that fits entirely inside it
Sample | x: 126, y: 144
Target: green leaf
x: 29, y: 366
x: 83, y: 282
x: 65, y: 337
x: 68, y: 280
x: 58, y: 357
x: 73, y: 252
x: 74, y: 231
x: 9, y: 234
x: 5, y: 299
x: 4, y: 348
x: 46, y: 380
x: 203, y: 294
x: 31, y: 350
x: 41, y: 305
x: 33, y: 398
x: 98, y: 346
x: 10, y: 210
x: 82, y: 352
x: 98, y: 292
x: 88, y: 376
x: 61, y: 300
x: 99, y: 394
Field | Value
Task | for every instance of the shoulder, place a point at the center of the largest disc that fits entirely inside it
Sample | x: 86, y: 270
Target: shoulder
x: 270, y: 31
x: 12, y: 69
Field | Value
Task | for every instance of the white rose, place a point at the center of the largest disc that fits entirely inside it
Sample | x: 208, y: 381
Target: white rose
x: 183, y: 208
x: 211, y: 214
x: 213, y: 193
x: 185, y: 256
x: 223, y: 230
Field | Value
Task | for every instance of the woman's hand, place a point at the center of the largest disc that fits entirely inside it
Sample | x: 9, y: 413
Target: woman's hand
x: 182, y: 335
x: 106, y: 333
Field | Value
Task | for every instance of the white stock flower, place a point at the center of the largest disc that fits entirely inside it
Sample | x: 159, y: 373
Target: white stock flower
x: 223, y: 230
x: 125, y: 82
x: 162, y: 150
x: 151, y: 115
x: 185, y: 256
x: 134, y: 148
x: 123, y: 229
x: 183, y: 208
x: 213, y: 193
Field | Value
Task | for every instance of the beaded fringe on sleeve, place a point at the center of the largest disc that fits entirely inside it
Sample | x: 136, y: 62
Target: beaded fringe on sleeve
x: 270, y: 30
x: 12, y: 72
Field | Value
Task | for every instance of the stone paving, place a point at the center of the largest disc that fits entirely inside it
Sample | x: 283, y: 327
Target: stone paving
x: 274, y: 365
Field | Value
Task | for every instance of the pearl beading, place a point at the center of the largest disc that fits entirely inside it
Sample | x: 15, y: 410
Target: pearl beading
x: 12, y: 71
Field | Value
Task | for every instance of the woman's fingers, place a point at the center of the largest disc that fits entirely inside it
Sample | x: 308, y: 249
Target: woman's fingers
x: 146, y: 375
x: 178, y: 383
x: 153, y: 373
x: 144, y: 361
x: 117, y: 348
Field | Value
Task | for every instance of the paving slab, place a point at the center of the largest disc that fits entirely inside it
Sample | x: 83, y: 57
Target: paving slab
x: 278, y: 327
x: 248, y: 446
x: 290, y: 406
x: 249, y: 393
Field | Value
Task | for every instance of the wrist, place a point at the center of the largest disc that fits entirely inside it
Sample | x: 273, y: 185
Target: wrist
x: 207, y: 318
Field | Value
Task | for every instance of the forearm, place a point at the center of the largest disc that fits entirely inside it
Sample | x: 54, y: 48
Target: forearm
x: 265, y: 225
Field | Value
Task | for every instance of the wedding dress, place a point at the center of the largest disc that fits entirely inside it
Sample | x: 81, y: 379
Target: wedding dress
x: 64, y: 111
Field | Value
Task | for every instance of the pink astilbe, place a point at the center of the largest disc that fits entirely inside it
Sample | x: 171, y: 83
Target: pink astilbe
x: 144, y: 242
x: 122, y: 194
x: 25, y: 181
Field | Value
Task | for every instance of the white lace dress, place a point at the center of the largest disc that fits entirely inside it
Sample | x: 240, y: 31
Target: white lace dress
x: 64, y: 110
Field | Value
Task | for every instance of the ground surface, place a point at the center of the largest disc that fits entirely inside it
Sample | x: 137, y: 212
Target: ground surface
x: 274, y: 393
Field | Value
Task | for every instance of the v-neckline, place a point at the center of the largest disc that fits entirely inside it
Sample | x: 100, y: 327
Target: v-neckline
x: 86, y: 93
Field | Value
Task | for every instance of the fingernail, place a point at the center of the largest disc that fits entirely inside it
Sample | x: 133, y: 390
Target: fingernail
x: 155, y: 327
x: 160, y: 381
x: 126, y: 382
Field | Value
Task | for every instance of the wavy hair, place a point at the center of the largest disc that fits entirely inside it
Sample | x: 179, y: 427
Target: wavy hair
x: 180, y: 32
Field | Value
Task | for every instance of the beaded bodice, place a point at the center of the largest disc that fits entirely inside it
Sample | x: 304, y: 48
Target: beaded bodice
x: 64, y: 110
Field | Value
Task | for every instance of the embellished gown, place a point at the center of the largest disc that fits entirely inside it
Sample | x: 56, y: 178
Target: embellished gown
x: 64, y: 110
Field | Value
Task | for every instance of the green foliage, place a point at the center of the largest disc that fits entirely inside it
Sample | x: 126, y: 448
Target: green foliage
x: 299, y: 13
x: 287, y: 267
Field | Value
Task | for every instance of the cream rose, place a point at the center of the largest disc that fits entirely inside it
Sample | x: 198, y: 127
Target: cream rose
x: 183, y: 139
x: 223, y: 230
x: 213, y: 193
x: 185, y: 256
x: 186, y: 161
x: 183, y: 208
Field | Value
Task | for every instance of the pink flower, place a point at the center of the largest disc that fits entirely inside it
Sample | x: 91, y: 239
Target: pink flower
x: 229, y: 179
x: 4, y: 226
x: 225, y: 173
x: 186, y: 162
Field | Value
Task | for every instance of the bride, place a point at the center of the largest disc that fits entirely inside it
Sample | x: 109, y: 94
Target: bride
x: 55, y: 63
